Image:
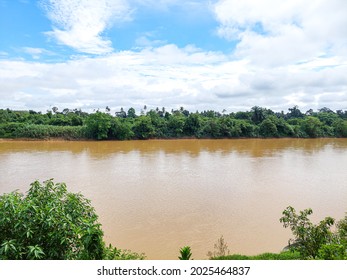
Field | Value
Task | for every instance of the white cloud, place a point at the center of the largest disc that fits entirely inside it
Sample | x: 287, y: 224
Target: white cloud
x: 172, y: 77
x: 287, y: 53
x: 80, y: 24
x: 147, y: 40
x: 36, y: 53
x: 165, y: 4
x: 274, y: 33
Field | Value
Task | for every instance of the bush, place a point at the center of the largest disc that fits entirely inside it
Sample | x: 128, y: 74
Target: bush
x: 98, y: 125
x: 10, y: 130
x: 264, y: 256
x: 185, y: 253
x: 332, y: 252
x: 50, y: 131
x: 268, y: 128
x: 312, y: 241
x: 312, y: 126
x: 220, y: 249
x: 112, y: 253
x: 49, y: 223
x: 38, y: 131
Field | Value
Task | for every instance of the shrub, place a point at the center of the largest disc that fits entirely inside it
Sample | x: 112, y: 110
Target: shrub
x: 332, y: 252
x: 268, y: 128
x: 309, y: 238
x: 185, y: 253
x: 220, y: 249
x: 112, y: 253
x: 264, y: 256
x: 49, y: 223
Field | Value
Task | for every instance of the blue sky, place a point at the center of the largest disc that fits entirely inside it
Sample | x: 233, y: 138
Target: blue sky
x: 221, y: 54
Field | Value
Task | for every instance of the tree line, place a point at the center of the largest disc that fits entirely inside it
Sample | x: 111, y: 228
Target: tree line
x: 159, y: 123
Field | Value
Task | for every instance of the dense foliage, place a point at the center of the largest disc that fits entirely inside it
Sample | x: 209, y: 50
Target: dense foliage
x: 258, y: 122
x: 315, y: 241
x: 185, y: 253
x: 48, y: 223
x: 311, y: 241
x: 52, y: 223
x: 265, y: 256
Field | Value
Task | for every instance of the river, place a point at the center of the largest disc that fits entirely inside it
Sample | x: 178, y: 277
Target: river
x: 157, y: 196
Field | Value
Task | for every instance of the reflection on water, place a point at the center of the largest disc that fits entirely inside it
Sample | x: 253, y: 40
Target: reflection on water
x: 192, y: 147
x: 157, y: 196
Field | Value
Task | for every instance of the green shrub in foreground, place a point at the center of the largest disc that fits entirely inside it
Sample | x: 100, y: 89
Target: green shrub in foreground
x: 113, y: 253
x: 185, y: 253
x: 264, y: 256
x: 49, y: 223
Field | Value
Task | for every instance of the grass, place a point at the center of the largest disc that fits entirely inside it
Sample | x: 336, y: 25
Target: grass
x: 265, y: 256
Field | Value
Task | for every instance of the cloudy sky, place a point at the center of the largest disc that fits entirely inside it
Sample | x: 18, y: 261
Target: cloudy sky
x: 199, y: 54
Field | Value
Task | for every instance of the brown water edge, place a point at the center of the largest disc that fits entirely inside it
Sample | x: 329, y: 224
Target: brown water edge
x: 159, y: 195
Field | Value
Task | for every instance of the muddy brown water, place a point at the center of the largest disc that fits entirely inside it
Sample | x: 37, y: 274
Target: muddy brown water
x: 157, y: 196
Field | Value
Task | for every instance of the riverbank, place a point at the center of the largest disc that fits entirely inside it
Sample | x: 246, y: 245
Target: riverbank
x: 258, y: 123
x: 62, y: 139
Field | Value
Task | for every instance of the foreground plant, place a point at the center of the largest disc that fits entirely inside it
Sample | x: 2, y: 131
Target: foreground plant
x: 49, y: 223
x: 315, y: 241
x: 113, y: 253
x: 185, y: 253
x: 220, y: 249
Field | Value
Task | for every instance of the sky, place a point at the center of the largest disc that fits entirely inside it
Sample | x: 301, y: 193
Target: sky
x: 201, y: 55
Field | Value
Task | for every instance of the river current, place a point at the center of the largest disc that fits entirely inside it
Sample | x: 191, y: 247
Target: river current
x: 157, y: 196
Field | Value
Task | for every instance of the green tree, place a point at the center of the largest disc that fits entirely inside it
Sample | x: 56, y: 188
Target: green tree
x: 49, y: 223
x: 258, y: 114
x: 340, y: 128
x: 294, y: 112
x: 246, y: 128
x: 243, y: 115
x: 211, y: 128
x: 98, y: 125
x: 175, y: 125
x: 143, y: 128
x: 131, y: 113
x: 283, y: 128
x: 192, y: 124
x: 159, y: 124
x: 309, y: 238
x: 327, y: 117
x: 120, y: 129
x: 312, y: 126
x: 268, y: 128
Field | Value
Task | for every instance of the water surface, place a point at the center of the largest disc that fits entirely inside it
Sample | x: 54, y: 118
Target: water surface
x: 157, y: 196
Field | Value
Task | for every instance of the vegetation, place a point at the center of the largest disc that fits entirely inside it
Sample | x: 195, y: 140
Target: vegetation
x: 222, y: 252
x: 258, y: 122
x: 112, y: 253
x: 220, y: 249
x: 51, y: 223
x: 185, y: 253
x: 315, y: 241
x: 311, y: 241
x: 265, y: 256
